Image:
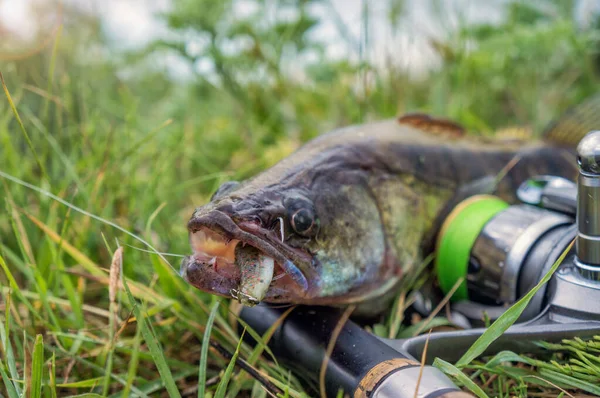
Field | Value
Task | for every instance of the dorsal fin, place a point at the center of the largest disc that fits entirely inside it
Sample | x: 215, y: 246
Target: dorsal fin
x: 432, y: 125
x: 575, y: 123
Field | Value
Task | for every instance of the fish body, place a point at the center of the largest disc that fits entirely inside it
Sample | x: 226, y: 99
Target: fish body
x: 345, y: 217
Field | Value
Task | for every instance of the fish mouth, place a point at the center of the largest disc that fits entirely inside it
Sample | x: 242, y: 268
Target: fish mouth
x: 212, y: 266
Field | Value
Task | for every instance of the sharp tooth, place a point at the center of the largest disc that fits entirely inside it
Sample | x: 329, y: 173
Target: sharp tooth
x: 198, y: 239
x: 281, y: 232
x: 210, y: 244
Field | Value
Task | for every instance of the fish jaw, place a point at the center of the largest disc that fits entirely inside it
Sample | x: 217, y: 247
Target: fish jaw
x: 212, y: 267
x: 203, y: 276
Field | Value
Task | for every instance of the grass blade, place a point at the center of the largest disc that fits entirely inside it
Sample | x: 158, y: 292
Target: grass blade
x: 155, y: 350
x: 77, y: 255
x: 96, y: 368
x: 84, y: 212
x: 205, y: 345
x: 157, y: 384
x: 453, y: 371
x: 115, y: 272
x: 60, y: 154
x: 38, y: 281
x: 10, y: 387
x: 7, y: 347
x: 89, y: 383
x: 52, y: 370
x: 508, y: 318
x: 23, y: 130
x: 90, y: 266
x: 415, y: 329
x: 506, y: 356
x: 261, y: 341
x: 26, y: 366
x: 51, y: 73
x: 133, y: 363
x: 570, y: 381
x: 37, y: 367
x: 222, y: 388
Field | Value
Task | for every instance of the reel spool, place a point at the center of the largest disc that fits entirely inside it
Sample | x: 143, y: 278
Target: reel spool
x: 487, y: 242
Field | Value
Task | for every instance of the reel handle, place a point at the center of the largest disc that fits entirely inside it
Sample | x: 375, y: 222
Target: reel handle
x: 588, y: 210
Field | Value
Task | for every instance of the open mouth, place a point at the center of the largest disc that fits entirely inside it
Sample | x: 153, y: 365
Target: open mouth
x: 216, y: 251
x: 234, y: 262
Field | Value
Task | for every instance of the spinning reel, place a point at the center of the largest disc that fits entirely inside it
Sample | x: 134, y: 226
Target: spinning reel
x: 501, y: 252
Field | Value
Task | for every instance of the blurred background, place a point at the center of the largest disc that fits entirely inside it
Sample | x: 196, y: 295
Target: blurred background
x: 136, y: 111
x: 172, y: 97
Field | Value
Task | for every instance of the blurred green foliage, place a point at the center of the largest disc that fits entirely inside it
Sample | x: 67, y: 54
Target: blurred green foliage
x: 118, y: 137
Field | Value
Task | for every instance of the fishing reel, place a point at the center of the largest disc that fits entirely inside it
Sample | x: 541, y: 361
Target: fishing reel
x: 502, y: 251
x: 489, y: 255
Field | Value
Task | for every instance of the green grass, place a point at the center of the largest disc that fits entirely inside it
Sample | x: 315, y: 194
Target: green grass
x: 129, y: 158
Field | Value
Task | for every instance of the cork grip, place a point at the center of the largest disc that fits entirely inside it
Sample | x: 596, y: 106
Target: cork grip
x: 378, y: 373
x: 374, y: 377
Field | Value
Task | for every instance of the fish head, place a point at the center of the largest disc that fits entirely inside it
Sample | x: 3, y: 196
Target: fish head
x: 324, y: 238
x: 271, y: 220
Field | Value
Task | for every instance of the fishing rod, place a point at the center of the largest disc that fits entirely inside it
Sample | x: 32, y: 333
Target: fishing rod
x: 501, y: 252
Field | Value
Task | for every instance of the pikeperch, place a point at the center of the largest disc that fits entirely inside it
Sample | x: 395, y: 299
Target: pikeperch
x: 345, y: 217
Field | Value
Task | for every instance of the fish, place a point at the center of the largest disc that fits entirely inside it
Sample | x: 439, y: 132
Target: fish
x: 351, y: 213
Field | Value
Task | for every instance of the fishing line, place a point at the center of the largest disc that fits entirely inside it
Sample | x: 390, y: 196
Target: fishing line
x: 84, y: 212
x: 150, y: 251
x: 112, y: 224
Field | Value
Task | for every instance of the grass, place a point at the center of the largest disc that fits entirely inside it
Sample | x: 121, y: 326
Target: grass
x: 127, y: 159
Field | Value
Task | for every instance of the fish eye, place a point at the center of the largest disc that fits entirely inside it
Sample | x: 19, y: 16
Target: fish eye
x: 303, y: 221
